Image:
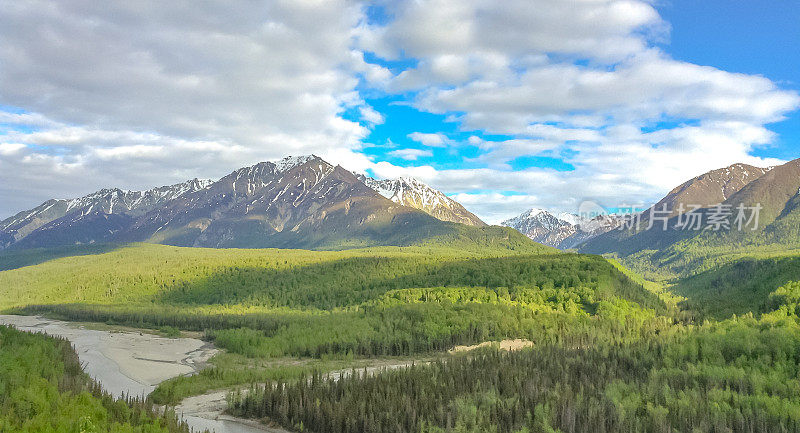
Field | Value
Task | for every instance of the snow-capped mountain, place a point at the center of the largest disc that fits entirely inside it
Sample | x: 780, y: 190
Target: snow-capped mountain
x: 296, y: 202
x: 263, y: 200
x: 564, y: 231
x: 541, y: 226
x: 411, y: 192
x: 106, y: 201
x: 589, y: 228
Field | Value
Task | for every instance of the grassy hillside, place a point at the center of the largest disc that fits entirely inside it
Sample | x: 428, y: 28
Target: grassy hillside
x: 388, y: 301
x: 283, y: 278
x: 738, y: 287
x: 13, y: 259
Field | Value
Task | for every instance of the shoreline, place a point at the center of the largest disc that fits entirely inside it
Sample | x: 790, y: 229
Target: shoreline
x: 134, y: 363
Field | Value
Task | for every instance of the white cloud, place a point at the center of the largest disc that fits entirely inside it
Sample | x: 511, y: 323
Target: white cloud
x: 125, y: 152
x: 495, y: 208
x: 428, y: 139
x: 647, y: 86
x: 10, y: 148
x: 410, y: 154
x: 600, y: 29
x: 371, y: 116
x: 237, y: 71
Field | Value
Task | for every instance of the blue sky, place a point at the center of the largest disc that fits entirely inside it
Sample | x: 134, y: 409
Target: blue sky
x: 743, y: 36
x: 542, y: 103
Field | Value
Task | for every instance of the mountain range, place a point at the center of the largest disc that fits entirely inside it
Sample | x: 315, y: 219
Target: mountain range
x: 305, y: 202
x: 297, y: 202
x: 670, y: 245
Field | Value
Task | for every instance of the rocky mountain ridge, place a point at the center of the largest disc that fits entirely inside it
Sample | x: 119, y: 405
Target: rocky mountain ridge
x: 296, y: 202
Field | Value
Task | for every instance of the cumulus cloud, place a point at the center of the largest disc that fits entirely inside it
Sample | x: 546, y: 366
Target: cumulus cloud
x: 647, y: 86
x: 241, y: 71
x: 11, y: 148
x: 428, y: 139
x: 137, y: 94
x: 410, y: 154
x: 429, y: 29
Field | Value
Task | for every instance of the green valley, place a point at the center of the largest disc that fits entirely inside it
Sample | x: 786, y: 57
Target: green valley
x: 609, y: 348
x: 427, y: 216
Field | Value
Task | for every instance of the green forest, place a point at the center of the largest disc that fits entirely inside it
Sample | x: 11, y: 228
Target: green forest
x: 609, y: 351
x: 738, y: 375
x: 381, y: 302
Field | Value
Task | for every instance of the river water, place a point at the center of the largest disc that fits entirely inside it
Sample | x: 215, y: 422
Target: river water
x: 134, y: 363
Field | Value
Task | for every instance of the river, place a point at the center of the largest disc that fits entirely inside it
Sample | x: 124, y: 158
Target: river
x: 134, y: 363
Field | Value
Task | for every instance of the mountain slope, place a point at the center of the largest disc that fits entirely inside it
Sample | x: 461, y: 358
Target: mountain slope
x: 297, y: 202
x: 709, y: 188
x: 311, y: 204
x: 684, y: 251
x: 413, y: 193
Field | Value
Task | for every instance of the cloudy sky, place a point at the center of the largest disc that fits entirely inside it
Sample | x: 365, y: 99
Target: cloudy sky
x: 540, y: 103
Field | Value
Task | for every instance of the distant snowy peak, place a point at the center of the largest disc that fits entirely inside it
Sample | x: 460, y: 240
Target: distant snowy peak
x: 541, y: 226
x: 105, y: 201
x: 564, y: 230
x: 535, y: 220
x: 411, y: 192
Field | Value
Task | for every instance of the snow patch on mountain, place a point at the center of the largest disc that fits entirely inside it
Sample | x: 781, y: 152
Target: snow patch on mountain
x: 285, y: 164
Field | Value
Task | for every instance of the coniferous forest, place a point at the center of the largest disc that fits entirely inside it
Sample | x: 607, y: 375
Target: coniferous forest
x: 739, y: 375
